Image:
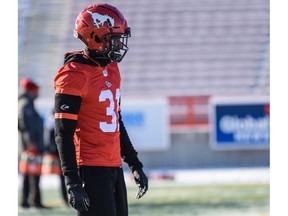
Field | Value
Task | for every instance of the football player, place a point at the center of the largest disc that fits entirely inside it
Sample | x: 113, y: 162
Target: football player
x: 89, y: 132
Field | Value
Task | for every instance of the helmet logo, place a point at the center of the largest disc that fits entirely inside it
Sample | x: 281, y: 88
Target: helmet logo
x: 99, y: 19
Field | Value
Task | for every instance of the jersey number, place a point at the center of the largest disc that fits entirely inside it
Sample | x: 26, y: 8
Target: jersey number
x: 111, y: 110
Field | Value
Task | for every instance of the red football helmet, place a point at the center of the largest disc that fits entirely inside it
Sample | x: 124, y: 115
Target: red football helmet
x: 104, y: 30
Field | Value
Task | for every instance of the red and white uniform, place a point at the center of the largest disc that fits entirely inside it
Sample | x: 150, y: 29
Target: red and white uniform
x: 97, y: 137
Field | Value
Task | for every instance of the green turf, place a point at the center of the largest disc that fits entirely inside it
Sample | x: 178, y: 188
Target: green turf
x: 172, y: 199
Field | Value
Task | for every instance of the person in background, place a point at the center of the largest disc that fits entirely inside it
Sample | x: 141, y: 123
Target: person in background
x: 90, y: 134
x: 51, y: 148
x: 31, y: 134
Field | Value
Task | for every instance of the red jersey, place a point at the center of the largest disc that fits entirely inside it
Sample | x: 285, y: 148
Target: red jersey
x: 97, y: 137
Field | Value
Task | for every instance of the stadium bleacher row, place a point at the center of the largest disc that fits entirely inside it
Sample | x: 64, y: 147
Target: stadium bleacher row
x: 177, y: 48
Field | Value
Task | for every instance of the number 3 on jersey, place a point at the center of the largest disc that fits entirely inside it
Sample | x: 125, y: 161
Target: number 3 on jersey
x: 111, y: 110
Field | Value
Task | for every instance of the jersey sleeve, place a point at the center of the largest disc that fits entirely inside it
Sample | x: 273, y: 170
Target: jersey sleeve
x: 66, y: 112
x: 128, y: 153
x: 71, y: 81
x: 69, y: 85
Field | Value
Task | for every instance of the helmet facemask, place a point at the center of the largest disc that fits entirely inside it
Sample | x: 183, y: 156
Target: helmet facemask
x: 116, y: 44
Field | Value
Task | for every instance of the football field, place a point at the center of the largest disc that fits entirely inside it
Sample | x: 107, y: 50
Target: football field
x: 170, y: 198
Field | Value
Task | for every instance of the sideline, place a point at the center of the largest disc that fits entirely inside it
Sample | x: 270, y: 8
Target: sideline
x: 259, y: 175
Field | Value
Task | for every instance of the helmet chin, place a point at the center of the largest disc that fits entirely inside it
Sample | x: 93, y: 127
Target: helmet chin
x: 115, y: 56
x: 101, y: 58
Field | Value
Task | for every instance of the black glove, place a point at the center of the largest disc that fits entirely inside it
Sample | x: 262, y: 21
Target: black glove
x: 78, y: 197
x: 141, y: 181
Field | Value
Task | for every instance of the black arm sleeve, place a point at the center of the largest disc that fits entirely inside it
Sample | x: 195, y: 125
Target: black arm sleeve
x: 64, y: 132
x: 128, y: 153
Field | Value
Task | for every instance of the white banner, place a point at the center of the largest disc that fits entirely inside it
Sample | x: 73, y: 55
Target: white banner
x: 147, y: 123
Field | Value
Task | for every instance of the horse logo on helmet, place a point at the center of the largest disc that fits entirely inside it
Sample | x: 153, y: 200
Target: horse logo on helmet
x: 99, y: 19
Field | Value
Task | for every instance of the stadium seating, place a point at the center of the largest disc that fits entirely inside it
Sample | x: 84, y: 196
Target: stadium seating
x: 184, y: 47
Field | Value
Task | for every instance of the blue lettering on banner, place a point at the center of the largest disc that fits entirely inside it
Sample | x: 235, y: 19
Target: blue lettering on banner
x: 133, y: 119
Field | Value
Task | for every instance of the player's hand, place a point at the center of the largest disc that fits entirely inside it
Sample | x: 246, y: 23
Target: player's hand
x: 141, y: 181
x: 78, y: 197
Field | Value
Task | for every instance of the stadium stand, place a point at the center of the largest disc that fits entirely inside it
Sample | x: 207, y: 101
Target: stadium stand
x: 41, y: 41
x: 193, y: 47
x: 177, y: 48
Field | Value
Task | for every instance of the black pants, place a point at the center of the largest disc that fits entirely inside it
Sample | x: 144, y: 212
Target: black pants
x: 106, y: 189
x: 31, y: 185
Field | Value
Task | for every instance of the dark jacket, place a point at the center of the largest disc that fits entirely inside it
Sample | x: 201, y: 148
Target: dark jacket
x: 30, y: 124
x: 49, y: 141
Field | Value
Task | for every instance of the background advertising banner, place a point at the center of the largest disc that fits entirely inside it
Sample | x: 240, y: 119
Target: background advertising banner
x: 240, y: 123
x: 146, y: 120
x: 147, y: 123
